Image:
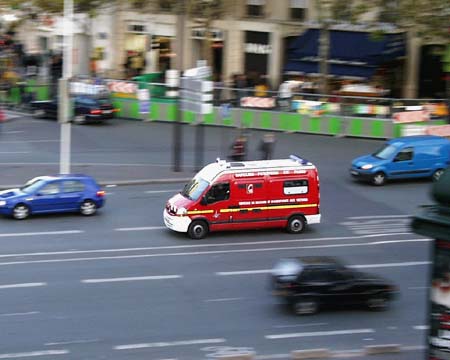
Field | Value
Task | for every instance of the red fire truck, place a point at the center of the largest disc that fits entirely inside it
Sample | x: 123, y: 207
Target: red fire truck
x: 247, y: 195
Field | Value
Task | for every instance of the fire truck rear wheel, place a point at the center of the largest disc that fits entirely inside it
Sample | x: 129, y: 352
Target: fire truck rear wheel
x: 198, y: 229
x: 296, y: 224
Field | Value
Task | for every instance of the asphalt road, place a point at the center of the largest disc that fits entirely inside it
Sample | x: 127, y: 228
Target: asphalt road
x: 121, y: 286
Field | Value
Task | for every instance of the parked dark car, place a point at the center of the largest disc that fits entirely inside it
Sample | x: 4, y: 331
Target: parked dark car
x: 311, y: 283
x: 87, y: 109
x: 53, y: 194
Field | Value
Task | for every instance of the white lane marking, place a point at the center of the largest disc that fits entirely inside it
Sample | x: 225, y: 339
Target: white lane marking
x: 135, y: 278
x: 15, y: 152
x: 72, y: 252
x: 161, y: 191
x: 299, y: 325
x: 13, y: 132
x: 142, y: 228
x: 24, y: 285
x: 65, y: 232
x: 378, y: 217
x: 224, y: 299
x: 421, y: 327
x: 320, y: 333
x: 364, y: 266
x: 111, y: 185
x: 72, y: 342
x: 21, y: 314
x: 197, y: 253
x: 413, y: 347
x: 33, y: 353
x: 27, y: 141
x: 169, y: 343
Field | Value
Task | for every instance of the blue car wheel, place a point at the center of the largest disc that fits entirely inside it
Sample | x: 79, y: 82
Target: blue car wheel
x: 20, y: 212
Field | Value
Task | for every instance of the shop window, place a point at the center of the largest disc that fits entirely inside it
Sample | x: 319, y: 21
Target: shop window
x: 295, y: 187
x: 255, y: 8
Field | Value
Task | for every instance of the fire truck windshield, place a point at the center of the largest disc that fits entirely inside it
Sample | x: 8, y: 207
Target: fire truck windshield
x: 195, y: 188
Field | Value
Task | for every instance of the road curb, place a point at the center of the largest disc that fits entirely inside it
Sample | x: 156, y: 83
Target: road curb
x: 382, y: 349
x: 310, y: 354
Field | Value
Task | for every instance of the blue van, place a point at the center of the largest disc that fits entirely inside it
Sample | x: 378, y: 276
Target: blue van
x: 404, y: 158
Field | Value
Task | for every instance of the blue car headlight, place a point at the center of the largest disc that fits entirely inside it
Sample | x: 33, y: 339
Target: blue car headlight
x: 2, y: 202
x: 367, y: 167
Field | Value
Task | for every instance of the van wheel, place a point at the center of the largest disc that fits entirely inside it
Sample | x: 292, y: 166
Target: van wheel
x: 379, y: 179
x: 437, y: 174
x: 198, y: 229
x: 296, y: 224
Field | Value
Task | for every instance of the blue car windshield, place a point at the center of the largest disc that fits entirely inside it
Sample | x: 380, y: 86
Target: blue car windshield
x: 32, y: 187
x: 385, y: 152
x: 195, y: 188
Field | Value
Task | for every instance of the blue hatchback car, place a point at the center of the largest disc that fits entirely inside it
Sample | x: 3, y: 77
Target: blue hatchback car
x: 53, y: 194
x: 404, y: 158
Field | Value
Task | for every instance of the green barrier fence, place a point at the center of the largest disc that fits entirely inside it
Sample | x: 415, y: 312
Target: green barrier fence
x: 165, y: 109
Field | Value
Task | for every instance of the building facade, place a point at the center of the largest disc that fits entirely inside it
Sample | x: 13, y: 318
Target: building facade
x: 250, y: 37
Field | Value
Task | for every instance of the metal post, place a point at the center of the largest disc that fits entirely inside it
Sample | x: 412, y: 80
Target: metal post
x: 177, y: 129
x: 64, y: 99
x: 199, y: 143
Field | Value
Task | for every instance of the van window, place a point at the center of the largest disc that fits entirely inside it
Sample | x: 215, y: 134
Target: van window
x: 218, y: 192
x: 405, y: 155
x: 195, y: 188
x: 386, y: 152
x: 295, y: 187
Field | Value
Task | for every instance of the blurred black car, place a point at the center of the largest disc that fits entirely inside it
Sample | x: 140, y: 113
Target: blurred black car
x: 310, y: 283
x: 87, y: 109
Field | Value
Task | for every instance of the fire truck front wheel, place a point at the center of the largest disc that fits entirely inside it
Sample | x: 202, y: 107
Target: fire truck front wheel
x: 296, y: 224
x: 198, y: 229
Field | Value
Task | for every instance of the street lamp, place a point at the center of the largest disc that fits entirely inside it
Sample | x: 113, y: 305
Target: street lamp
x: 64, y: 99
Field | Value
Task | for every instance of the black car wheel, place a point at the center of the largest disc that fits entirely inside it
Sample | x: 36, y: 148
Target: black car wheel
x: 377, y: 303
x: 38, y: 113
x: 79, y: 119
x: 88, y: 208
x: 296, y: 224
x: 198, y: 229
x: 21, y: 212
x: 306, y: 307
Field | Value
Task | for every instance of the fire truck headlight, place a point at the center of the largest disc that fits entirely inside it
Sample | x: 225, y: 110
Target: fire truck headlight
x: 367, y: 167
x: 181, y: 211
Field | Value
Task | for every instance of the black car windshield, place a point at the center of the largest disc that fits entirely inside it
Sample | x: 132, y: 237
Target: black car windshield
x: 386, y: 152
x: 32, y: 187
x: 195, y: 188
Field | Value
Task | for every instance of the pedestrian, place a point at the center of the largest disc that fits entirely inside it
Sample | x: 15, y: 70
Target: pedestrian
x: 239, y: 148
x: 266, y: 146
x: 2, y: 118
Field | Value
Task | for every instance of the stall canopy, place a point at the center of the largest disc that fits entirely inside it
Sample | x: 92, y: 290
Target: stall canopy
x: 351, y: 53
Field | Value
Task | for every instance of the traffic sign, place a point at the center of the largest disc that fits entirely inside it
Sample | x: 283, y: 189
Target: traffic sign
x: 197, y: 85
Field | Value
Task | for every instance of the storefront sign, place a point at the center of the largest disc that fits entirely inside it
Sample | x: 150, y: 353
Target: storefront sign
x: 123, y: 87
x: 258, y: 48
x: 439, y: 130
x: 258, y: 102
x: 439, y: 336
